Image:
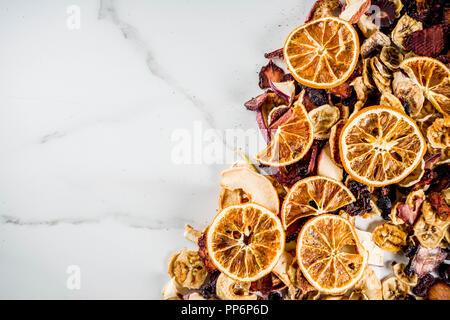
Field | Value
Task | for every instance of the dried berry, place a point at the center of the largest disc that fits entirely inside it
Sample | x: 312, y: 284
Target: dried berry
x: 410, y: 297
x: 444, y: 272
x: 317, y: 96
x: 208, y: 289
x: 427, y: 42
x: 385, y: 205
x: 361, y: 205
x: 270, y: 72
x: 275, y: 296
x: 424, y: 284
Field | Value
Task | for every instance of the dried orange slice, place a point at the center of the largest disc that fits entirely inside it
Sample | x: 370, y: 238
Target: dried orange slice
x: 433, y: 77
x: 330, y: 254
x: 245, y: 241
x: 380, y: 146
x: 291, y: 141
x: 313, y: 196
x: 322, y: 53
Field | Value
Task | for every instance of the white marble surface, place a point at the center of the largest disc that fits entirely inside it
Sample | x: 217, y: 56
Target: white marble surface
x: 86, y: 118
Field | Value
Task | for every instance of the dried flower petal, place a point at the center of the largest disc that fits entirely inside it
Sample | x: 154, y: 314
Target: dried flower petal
x: 427, y: 42
x: 427, y: 260
x: 255, y: 103
x: 270, y: 72
x: 274, y: 54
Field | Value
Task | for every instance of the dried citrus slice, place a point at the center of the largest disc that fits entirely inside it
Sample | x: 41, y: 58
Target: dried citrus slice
x: 380, y: 146
x: 291, y: 141
x: 330, y: 254
x: 245, y: 241
x: 313, y: 196
x: 322, y: 53
x: 433, y: 77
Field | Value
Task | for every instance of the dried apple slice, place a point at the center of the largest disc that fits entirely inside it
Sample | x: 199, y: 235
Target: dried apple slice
x: 257, y: 187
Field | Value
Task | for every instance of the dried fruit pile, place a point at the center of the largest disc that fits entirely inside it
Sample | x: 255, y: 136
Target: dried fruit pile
x: 356, y: 115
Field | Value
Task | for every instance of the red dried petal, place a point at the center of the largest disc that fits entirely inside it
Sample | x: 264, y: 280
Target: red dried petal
x: 427, y: 260
x: 280, y: 116
x: 270, y: 71
x: 274, y: 54
x: 255, y: 103
x: 342, y: 91
x: 437, y: 201
x: 385, y: 15
x: 428, y: 42
x: 204, y: 255
x: 408, y: 214
x: 431, y: 159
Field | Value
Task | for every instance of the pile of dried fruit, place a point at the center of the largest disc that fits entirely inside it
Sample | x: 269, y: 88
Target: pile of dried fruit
x: 356, y: 115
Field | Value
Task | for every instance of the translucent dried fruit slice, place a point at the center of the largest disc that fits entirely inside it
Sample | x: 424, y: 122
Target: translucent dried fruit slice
x: 330, y: 255
x: 313, y: 196
x: 433, y: 77
x: 322, y: 53
x: 380, y: 146
x: 291, y: 140
x: 245, y: 241
x: 389, y: 237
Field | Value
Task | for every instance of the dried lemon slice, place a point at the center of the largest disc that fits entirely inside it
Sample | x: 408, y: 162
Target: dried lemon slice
x: 322, y: 53
x: 433, y: 77
x: 330, y: 255
x: 313, y: 196
x: 380, y: 146
x: 245, y: 241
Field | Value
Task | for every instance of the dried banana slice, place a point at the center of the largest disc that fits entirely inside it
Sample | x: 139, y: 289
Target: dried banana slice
x: 389, y: 100
x: 404, y: 27
x: 399, y: 272
x: 358, y: 295
x: 323, y: 118
x: 367, y: 76
x: 394, y: 289
x: 171, y: 291
x: 405, y: 89
x: 374, y: 42
x: 429, y: 229
x: 389, y: 237
x: 229, y: 289
x: 380, y: 75
x: 391, y: 57
x: 187, y: 269
x: 438, y: 134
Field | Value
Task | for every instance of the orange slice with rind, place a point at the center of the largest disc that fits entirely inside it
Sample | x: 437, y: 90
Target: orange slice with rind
x: 245, y: 241
x: 291, y: 140
x: 330, y: 254
x: 314, y: 196
x: 380, y: 146
x: 322, y: 53
x: 433, y: 77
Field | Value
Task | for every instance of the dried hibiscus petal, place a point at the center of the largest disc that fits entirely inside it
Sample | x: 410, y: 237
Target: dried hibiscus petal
x: 204, y: 255
x: 270, y: 72
x: 255, y: 103
x: 427, y: 42
x: 386, y: 13
x: 427, y: 260
x: 342, y: 91
x: 274, y: 54
x: 437, y: 201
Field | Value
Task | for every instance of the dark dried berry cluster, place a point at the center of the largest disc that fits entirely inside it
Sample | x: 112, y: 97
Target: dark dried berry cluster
x: 208, y: 289
x: 424, y: 284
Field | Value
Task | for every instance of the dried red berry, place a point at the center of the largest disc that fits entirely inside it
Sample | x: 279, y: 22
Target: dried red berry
x: 270, y: 71
x: 424, y: 284
x: 428, y: 42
